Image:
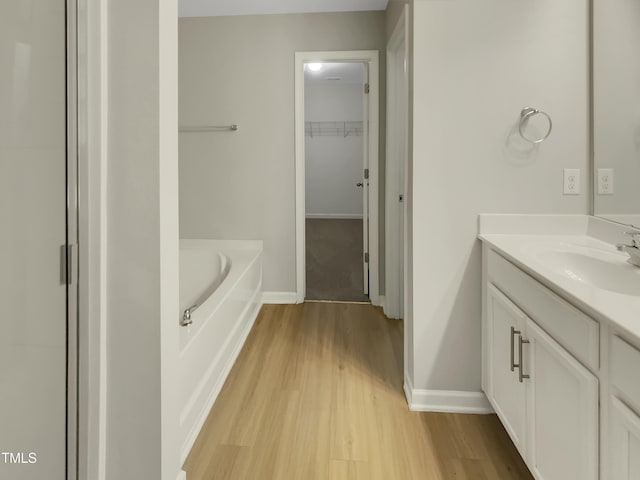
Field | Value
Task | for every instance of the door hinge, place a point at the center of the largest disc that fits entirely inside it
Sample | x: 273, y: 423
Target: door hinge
x: 366, y: 257
x: 366, y: 174
x: 366, y: 88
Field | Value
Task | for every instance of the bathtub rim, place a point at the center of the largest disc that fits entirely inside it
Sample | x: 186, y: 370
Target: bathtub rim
x: 242, y: 254
x: 226, y: 265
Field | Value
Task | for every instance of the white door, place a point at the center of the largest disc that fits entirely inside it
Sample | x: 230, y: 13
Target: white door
x: 624, y: 442
x: 402, y: 132
x: 507, y: 394
x: 365, y: 180
x: 395, y: 172
x: 33, y: 209
x: 402, y: 235
x: 562, y: 410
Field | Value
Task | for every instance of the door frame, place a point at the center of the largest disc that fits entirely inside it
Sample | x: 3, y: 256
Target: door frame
x: 395, y: 259
x: 371, y: 58
x: 92, y: 143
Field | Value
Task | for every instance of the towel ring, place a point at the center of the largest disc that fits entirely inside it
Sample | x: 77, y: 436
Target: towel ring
x: 525, y: 114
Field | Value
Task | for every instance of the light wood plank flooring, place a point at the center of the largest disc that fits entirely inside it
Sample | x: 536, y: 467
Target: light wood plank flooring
x: 316, y: 393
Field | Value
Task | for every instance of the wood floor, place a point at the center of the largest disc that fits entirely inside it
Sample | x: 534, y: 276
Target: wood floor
x: 316, y: 393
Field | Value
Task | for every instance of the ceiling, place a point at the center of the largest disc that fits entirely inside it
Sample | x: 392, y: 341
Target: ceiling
x: 336, y: 73
x: 215, y: 8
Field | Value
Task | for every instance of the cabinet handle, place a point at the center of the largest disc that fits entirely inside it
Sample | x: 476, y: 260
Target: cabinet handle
x: 514, y: 332
x: 521, y: 341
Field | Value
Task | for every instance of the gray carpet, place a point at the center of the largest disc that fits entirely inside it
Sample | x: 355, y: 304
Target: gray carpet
x: 334, y: 260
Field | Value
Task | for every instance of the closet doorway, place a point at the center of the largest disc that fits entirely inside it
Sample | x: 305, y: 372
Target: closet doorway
x: 336, y: 201
x: 336, y: 170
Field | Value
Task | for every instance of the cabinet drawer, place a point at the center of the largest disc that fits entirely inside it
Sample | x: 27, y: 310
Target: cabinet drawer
x: 571, y: 328
x: 625, y: 364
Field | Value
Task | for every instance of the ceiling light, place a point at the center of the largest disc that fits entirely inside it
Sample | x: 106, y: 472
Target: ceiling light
x: 314, y: 67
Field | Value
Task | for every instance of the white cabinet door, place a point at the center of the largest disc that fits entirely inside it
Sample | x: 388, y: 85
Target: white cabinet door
x: 508, y: 396
x: 624, y: 442
x: 562, y: 411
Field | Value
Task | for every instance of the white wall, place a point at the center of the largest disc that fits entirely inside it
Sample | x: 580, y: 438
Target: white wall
x: 333, y: 163
x: 240, y: 70
x: 475, y: 65
x: 616, y: 98
x: 142, y: 242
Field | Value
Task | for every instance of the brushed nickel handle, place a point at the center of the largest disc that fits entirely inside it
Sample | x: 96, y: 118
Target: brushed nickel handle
x: 521, y: 341
x: 514, y: 332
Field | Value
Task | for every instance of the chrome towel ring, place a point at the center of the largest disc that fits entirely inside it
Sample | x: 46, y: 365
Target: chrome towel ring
x: 525, y: 115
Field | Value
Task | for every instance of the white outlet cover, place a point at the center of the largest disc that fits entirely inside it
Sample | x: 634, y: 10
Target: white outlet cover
x: 571, y: 181
x: 605, y: 181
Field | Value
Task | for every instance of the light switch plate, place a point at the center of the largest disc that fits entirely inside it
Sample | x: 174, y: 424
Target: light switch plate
x: 605, y: 181
x: 572, y: 181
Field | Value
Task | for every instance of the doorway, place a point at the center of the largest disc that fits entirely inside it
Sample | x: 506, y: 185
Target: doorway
x: 336, y: 190
x: 38, y: 248
x: 337, y: 176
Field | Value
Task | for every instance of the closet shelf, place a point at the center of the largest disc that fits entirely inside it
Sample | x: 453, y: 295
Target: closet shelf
x: 333, y: 129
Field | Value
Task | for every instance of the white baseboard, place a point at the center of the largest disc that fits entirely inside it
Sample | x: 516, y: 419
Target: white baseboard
x: 279, y: 297
x: 335, y: 216
x: 449, y: 401
x: 182, y: 475
x: 381, y: 301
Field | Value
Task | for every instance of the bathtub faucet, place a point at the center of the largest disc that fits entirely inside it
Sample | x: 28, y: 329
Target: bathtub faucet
x: 186, y: 316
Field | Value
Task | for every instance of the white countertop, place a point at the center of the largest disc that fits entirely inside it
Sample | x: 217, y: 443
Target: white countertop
x: 621, y: 310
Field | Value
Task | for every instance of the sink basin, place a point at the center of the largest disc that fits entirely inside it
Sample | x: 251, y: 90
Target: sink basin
x: 599, y: 268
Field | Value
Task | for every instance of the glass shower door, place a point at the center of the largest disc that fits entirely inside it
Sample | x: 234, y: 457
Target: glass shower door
x: 33, y: 231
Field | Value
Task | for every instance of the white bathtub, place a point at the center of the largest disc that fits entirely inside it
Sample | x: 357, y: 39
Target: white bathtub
x: 224, y: 279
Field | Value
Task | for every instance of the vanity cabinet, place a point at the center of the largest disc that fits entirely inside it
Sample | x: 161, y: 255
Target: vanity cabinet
x: 507, y: 394
x: 562, y: 411
x: 561, y: 344
x: 546, y: 399
x: 624, y: 441
x: 624, y: 402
